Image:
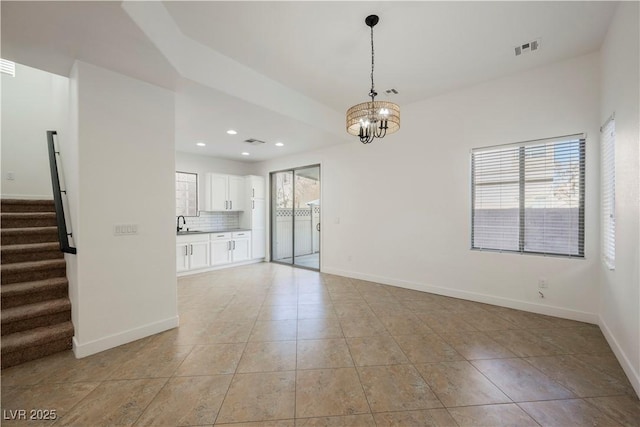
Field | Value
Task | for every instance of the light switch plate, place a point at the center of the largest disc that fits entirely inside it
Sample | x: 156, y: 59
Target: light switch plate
x: 125, y: 229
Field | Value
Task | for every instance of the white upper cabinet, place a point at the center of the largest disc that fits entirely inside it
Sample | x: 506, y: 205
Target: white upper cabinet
x: 255, y: 187
x: 223, y: 192
x: 236, y: 193
x: 216, y: 192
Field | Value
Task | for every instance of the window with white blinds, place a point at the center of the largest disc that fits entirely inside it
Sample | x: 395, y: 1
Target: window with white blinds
x: 186, y: 194
x: 608, y: 188
x: 529, y: 197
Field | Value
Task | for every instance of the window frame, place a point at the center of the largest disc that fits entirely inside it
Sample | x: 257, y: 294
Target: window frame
x: 521, y: 228
x: 196, y: 192
x: 608, y: 192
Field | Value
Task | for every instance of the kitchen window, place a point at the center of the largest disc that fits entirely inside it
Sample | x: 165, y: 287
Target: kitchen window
x: 186, y: 194
x: 529, y: 197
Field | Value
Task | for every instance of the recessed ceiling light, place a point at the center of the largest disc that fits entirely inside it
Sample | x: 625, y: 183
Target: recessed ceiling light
x: 201, y: 144
x: 279, y: 144
x: 244, y: 153
x: 231, y: 132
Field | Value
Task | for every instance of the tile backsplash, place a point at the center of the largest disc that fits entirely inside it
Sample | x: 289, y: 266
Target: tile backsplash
x: 214, y: 221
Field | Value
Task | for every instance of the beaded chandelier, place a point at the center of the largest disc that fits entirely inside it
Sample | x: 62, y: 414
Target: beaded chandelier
x: 373, y: 119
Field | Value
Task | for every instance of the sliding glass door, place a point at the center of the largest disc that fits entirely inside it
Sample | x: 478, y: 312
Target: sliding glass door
x: 295, y: 217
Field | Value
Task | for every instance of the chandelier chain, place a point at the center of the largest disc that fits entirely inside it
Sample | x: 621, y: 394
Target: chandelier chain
x: 372, y: 64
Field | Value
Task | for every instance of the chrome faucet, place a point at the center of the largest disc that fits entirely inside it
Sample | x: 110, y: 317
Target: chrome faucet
x: 184, y: 222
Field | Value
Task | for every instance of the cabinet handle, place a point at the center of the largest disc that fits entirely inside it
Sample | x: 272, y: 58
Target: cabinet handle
x: 191, y: 246
x: 253, y: 204
x: 226, y: 205
x: 186, y: 250
x: 231, y: 204
x: 253, y: 192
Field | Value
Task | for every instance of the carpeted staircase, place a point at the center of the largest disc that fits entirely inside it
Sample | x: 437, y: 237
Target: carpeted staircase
x: 36, y: 311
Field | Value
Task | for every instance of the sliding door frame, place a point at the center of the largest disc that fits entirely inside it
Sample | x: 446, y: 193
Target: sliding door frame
x: 293, y: 217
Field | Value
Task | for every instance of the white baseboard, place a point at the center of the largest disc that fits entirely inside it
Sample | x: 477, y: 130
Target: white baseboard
x: 27, y: 196
x: 566, y: 313
x: 111, y: 341
x: 219, y: 267
x: 627, y: 366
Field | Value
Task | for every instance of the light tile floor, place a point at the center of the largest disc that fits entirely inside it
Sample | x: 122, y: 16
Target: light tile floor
x: 270, y: 345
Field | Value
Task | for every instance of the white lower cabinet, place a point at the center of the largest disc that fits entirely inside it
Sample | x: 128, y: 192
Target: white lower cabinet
x: 192, y: 252
x: 220, y: 248
x: 182, y: 257
x: 230, y: 247
x: 206, y: 250
x: 241, y: 246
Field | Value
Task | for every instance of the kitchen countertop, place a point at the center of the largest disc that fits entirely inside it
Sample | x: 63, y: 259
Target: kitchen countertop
x: 229, y: 230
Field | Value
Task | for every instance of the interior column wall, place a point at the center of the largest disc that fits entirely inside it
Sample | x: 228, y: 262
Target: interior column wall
x: 126, y: 285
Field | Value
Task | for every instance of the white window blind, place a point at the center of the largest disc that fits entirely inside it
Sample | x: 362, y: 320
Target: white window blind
x: 608, y: 188
x: 186, y: 194
x: 529, y: 197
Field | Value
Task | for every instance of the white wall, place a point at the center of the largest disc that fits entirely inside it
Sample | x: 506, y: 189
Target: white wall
x: 33, y: 102
x: 125, y: 287
x: 620, y: 291
x: 187, y: 162
x: 403, y: 203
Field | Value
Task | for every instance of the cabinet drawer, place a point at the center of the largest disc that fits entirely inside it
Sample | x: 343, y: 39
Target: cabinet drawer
x: 192, y: 238
x: 241, y: 234
x: 220, y: 236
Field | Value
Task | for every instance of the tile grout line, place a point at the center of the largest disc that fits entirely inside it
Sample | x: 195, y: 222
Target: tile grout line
x: 235, y: 372
x: 355, y: 367
x: 410, y: 361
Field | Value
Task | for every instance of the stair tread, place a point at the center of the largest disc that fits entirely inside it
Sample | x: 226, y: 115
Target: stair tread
x: 29, y: 247
x: 27, y: 201
x: 29, y: 230
x: 33, y: 286
x: 27, y: 214
x: 37, y: 336
x: 37, y: 309
x: 33, y: 265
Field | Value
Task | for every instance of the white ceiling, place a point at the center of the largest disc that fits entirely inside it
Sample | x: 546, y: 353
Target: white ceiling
x: 204, y: 115
x: 319, y: 49
x: 322, y: 49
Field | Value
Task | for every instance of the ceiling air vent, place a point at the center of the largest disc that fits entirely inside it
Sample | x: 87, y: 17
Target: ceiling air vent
x: 254, y: 141
x: 391, y: 91
x: 528, y: 47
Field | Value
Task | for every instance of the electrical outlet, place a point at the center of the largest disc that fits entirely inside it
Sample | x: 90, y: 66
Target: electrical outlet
x: 125, y: 229
x: 543, y: 283
x: 11, y: 176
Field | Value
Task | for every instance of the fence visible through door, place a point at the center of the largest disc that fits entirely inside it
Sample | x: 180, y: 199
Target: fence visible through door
x: 295, y: 217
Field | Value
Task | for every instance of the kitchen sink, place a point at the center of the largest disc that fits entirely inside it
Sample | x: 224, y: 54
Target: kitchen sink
x: 182, y: 232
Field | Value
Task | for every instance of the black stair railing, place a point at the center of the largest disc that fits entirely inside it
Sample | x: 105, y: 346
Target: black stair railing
x: 63, y: 234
